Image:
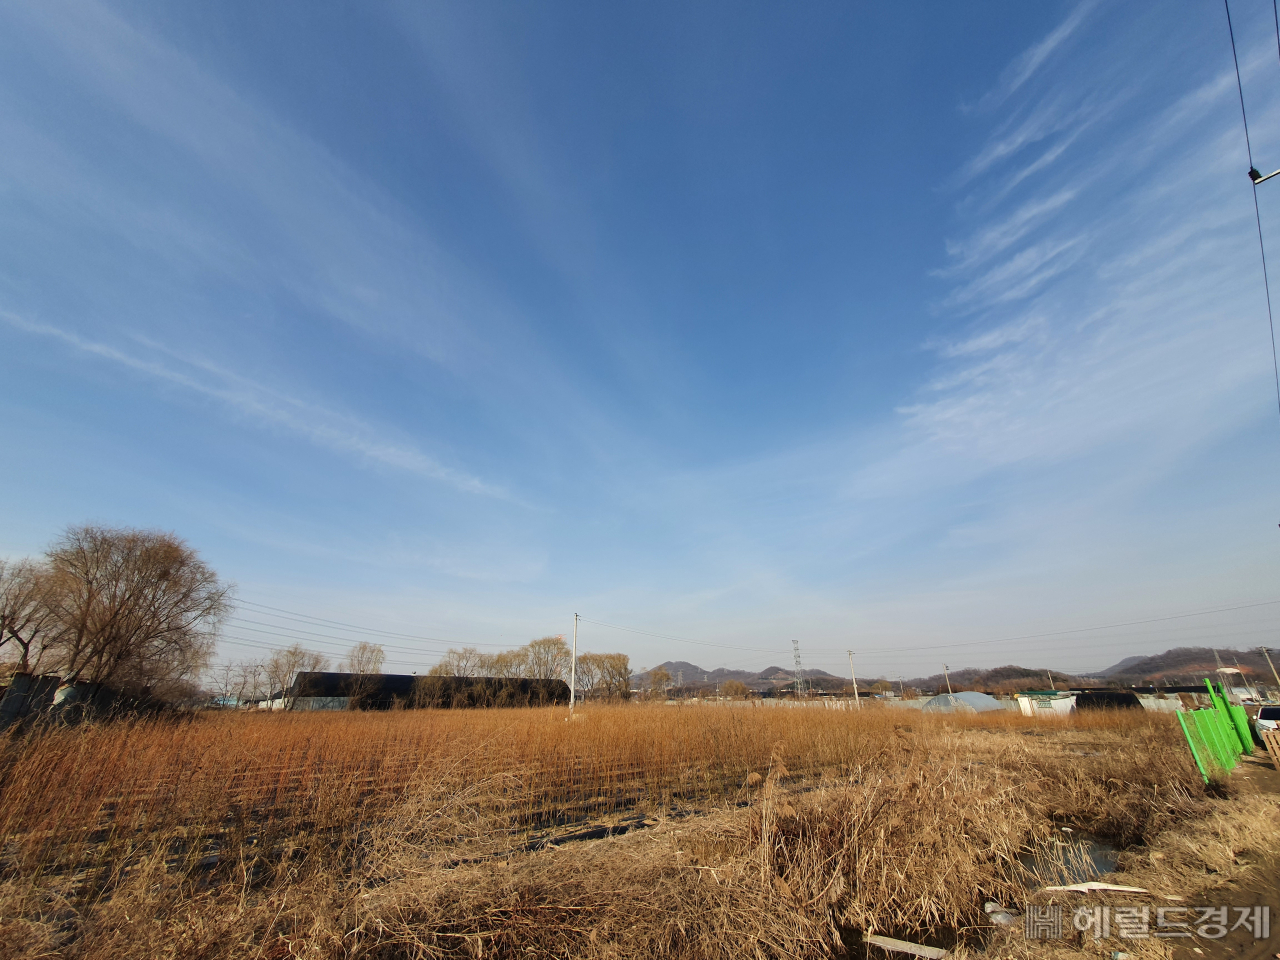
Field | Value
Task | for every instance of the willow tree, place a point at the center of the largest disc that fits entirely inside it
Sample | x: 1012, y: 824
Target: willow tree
x: 283, y: 667
x: 364, y: 663
x: 135, y: 609
x: 27, y: 622
x: 547, y: 659
x: 615, y: 676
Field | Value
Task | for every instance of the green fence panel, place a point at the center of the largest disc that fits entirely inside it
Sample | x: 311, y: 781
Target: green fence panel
x: 1213, y: 724
x: 1227, y: 734
x: 1210, y: 726
x: 1196, y: 718
x: 1217, y: 735
x: 1224, y: 707
x: 1199, y: 749
x: 1241, y: 721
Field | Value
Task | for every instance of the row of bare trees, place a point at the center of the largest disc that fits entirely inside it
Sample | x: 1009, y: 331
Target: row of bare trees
x: 140, y: 611
x: 134, y: 609
x: 605, y: 676
x: 250, y: 680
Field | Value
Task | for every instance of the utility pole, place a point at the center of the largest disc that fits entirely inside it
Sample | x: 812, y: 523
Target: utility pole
x: 573, y: 667
x: 1243, y: 679
x: 1271, y: 665
x: 856, y: 701
x: 945, y: 668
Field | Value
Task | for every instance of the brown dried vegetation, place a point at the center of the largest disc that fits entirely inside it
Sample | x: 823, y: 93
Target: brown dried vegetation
x: 749, y: 831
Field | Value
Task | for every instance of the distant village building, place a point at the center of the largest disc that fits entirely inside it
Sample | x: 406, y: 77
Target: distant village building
x: 1046, y: 703
x: 315, y: 690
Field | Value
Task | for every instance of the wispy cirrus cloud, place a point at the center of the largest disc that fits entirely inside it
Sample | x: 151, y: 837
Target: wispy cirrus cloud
x: 1104, y: 333
x: 1014, y: 332
x: 1106, y: 341
x: 261, y: 204
x: 336, y: 432
x: 999, y: 236
x: 1142, y: 328
x: 1025, y: 65
x: 1064, y: 116
x: 1020, y: 275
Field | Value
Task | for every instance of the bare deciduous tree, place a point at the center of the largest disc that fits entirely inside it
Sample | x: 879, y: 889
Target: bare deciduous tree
x: 250, y: 677
x: 615, y: 679
x: 133, y: 608
x: 509, y: 664
x: 590, y: 674
x: 548, y: 659
x: 364, y: 663
x: 27, y: 618
x: 734, y: 688
x: 224, y: 681
x: 286, y: 664
x: 467, y: 662
x: 601, y: 675
x: 365, y: 658
x: 659, y: 681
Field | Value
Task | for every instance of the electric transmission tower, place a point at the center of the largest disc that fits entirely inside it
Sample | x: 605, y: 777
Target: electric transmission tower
x: 801, y: 685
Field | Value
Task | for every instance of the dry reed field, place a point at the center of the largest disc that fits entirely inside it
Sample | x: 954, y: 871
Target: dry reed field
x: 438, y: 833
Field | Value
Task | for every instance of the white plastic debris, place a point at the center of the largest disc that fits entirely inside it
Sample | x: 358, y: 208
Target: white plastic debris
x: 903, y: 946
x: 998, y: 915
x: 1093, y: 886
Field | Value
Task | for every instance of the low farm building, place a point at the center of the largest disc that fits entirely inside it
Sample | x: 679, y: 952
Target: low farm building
x: 314, y: 690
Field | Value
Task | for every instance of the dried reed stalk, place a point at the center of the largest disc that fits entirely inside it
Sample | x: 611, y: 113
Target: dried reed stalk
x: 408, y: 834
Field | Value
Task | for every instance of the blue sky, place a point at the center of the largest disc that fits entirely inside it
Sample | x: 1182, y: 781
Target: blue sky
x: 880, y: 327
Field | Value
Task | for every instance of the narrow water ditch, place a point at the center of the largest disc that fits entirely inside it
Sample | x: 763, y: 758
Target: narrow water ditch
x: 1068, y: 856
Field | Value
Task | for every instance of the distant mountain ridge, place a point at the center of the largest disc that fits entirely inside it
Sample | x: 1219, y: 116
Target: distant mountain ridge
x: 1176, y: 666
x: 1120, y: 667
x: 998, y: 678
x: 1187, y: 663
x: 695, y: 675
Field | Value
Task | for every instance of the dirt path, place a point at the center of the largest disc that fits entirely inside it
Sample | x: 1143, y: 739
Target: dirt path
x: 1228, y: 857
x: 1259, y: 885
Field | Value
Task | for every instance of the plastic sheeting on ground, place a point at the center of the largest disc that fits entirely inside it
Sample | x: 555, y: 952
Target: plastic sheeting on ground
x: 966, y: 701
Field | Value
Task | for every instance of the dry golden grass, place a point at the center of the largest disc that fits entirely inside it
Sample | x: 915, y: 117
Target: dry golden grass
x: 1229, y: 854
x: 773, y: 832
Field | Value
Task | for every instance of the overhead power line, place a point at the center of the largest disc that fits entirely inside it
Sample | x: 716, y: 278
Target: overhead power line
x: 313, y: 637
x: 1064, y: 633
x: 264, y: 645
x: 282, y: 632
x: 663, y: 636
x: 373, y: 631
x: 1256, y: 178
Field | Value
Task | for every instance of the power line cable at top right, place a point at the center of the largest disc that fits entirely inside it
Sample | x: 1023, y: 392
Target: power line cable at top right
x: 1256, y: 178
